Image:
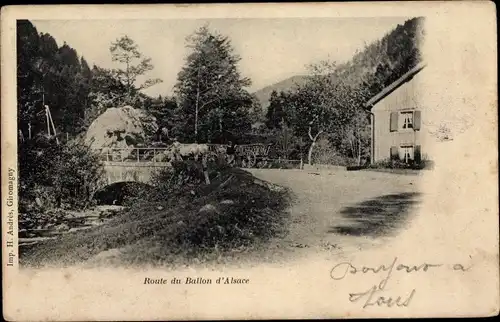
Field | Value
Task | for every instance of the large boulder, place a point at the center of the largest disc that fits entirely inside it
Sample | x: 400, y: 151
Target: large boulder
x: 121, y: 128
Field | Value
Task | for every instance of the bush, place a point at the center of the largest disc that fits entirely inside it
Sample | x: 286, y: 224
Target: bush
x: 183, y: 175
x: 399, y: 164
x: 284, y: 164
x: 178, y: 230
x: 55, y: 175
x: 355, y: 167
x: 78, y: 175
x: 325, y: 153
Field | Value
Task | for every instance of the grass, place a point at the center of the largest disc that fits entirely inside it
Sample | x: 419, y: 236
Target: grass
x: 174, y: 231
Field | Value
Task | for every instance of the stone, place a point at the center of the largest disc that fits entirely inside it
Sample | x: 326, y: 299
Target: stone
x: 39, y: 202
x: 124, y: 127
x: 227, y: 202
x: 62, y: 227
x: 208, y: 208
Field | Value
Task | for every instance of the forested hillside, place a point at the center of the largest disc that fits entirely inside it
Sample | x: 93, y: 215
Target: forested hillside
x: 263, y: 95
x: 102, y: 118
x: 385, y: 60
x: 328, y: 107
x: 52, y: 75
x: 56, y: 76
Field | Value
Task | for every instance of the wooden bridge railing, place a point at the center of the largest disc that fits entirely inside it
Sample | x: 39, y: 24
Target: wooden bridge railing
x: 133, y: 154
x: 251, y: 154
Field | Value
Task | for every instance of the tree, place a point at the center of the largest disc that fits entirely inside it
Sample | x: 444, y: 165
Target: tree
x: 212, y: 102
x: 49, y: 75
x: 256, y: 114
x: 29, y: 89
x: 105, y: 91
x: 330, y: 103
x: 163, y: 109
x: 69, y: 172
x: 125, y: 51
x: 316, y: 106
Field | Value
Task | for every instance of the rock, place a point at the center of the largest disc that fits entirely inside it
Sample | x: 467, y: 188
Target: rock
x: 38, y: 202
x: 123, y: 127
x: 227, y: 202
x: 107, y: 257
x: 299, y: 245
x: 62, y: 227
x: 270, y: 186
x: 208, y: 208
x: 159, y: 207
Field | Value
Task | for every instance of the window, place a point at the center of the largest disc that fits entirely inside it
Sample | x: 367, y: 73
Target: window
x: 406, y: 120
x: 406, y: 153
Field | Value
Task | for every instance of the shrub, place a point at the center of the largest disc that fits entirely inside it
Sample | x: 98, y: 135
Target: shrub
x: 284, y: 164
x: 78, y: 174
x: 399, y: 164
x: 177, y: 231
x: 183, y: 175
x: 325, y: 153
x: 66, y: 174
x: 355, y: 167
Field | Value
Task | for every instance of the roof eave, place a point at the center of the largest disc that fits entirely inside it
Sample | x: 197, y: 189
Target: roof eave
x: 394, y: 85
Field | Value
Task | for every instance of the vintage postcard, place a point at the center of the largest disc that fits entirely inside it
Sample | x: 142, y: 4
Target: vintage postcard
x: 249, y: 161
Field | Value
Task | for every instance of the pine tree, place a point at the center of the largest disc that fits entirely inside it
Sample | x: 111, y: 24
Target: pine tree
x: 125, y: 51
x: 29, y: 87
x: 213, y: 104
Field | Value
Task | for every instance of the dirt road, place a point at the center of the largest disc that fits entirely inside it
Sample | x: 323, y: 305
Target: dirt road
x: 342, y: 211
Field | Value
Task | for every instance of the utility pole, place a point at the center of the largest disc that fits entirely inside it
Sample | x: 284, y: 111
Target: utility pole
x: 46, y: 112
x: 50, y: 122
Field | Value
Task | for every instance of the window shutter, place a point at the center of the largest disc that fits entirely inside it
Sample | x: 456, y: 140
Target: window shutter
x: 417, y: 154
x: 394, y: 121
x: 394, y: 153
x: 416, y: 120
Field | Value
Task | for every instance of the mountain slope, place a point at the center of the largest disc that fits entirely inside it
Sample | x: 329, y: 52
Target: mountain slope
x: 263, y: 94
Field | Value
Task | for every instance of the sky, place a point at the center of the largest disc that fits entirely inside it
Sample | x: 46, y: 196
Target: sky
x: 271, y: 50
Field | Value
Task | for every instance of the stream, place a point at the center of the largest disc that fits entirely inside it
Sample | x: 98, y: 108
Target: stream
x: 34, y: 228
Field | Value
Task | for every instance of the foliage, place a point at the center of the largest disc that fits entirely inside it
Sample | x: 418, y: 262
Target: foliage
x: 399, y: 164
x: 325, y: 153
x: 213, y: 105
x: 49, y: 75
x: 283, y: 164
x: 175, y: 231
x: 105, y: 92
x: 256, y: 114
x: 183, y: 176
x: 278, y: 113
x: 286, y: 144
x: 322, y: 106
x: 58, y: 174
x: 163, y: 109
x: 330, y: 101
x: 125, y: 51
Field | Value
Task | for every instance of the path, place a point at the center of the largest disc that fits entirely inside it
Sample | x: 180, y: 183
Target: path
x: 343, y: 211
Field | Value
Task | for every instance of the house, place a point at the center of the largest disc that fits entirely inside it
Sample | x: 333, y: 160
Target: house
x: 396, y: 119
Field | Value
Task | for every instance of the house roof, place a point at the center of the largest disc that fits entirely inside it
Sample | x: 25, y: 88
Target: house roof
x: 400, y: 81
